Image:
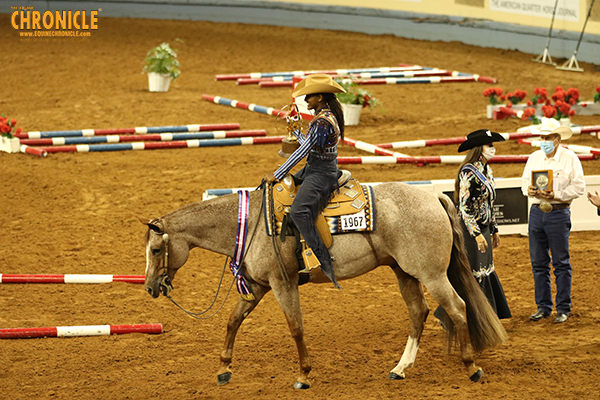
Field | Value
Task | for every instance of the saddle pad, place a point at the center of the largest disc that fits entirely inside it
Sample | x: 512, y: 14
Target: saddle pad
x: 361, y: 221
x: 346, y: 212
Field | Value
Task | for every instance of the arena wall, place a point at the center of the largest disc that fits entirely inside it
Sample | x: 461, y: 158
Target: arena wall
x: 508, y: 24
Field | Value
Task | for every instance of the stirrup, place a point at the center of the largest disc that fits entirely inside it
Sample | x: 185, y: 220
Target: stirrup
x: 310, y: 259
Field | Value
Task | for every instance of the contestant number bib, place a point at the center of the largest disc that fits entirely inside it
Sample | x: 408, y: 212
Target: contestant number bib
x: 354, y: 222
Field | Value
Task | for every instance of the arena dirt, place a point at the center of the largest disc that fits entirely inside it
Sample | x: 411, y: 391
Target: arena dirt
x: 76, y: 213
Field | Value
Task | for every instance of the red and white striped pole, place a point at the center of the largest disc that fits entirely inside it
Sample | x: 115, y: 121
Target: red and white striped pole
x: 432, y: 79
x: 440, y: 159
x: 371, y: 148
x: 72, y: 331
x: 358, y: 75
x: 69, y: 278
x: 256, y: 75
x: 32, y: 150
x: 447, y: 141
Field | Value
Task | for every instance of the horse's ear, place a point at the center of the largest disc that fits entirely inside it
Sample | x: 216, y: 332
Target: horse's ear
x: 143, y: 220
x: 155, y: 224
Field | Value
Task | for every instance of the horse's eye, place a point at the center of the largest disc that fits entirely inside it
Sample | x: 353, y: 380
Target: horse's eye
x: 155, y: 252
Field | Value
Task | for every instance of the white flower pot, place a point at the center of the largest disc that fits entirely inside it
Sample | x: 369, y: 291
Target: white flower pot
x: 351, y: 113
x: 158, y: 82
x: 9, y: 145
x: 565, y: 122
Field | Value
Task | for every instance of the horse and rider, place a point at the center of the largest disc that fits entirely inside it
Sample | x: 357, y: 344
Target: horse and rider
x: 404, y: 241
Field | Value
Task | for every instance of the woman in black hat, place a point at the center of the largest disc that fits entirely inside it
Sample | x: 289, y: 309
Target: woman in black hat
x: 474, y: 194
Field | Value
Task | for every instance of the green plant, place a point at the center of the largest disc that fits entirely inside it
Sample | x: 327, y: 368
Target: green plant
x: 162, y: 60
x: 355, y: 95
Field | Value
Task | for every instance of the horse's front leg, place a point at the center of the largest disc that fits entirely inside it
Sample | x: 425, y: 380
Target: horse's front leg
x: 288, y: 298
x: 240, y: 312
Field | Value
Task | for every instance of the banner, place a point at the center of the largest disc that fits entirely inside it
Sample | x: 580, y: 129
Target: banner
x: 566, y: 10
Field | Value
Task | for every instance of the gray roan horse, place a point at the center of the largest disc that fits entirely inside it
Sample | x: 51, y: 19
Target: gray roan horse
x: 418, y: 235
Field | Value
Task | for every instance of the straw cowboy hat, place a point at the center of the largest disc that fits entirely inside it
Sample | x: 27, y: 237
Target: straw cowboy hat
x: 317, y: 83
x: 479, y: 138
x: 550, y: 126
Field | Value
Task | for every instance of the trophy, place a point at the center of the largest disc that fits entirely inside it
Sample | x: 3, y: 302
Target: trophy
x: 542, y: 180
x: 294, y: 123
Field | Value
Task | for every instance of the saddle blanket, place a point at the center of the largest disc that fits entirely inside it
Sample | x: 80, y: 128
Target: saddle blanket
x: 352, y: 209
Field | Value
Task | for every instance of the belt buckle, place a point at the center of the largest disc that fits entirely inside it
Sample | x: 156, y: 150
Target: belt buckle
x: 545, y: 207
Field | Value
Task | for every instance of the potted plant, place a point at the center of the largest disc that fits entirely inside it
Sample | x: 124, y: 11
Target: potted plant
x: 162, y: 66
x: 8, y: 142
x: 354, y: 100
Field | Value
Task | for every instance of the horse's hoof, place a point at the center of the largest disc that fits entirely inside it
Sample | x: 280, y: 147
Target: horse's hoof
x: 222, y: 379
x: 477, y: 375
x: 395, y: 377
x: 301, y: 385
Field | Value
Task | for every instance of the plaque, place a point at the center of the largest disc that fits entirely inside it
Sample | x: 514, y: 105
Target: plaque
x: 542, y: 180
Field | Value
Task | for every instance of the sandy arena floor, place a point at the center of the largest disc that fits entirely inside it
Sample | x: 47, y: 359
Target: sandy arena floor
x: 76, y: 213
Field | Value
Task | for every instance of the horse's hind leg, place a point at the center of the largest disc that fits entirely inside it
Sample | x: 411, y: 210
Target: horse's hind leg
x: 447, y: 297
x: 412, y: 293
x: 240, y: 312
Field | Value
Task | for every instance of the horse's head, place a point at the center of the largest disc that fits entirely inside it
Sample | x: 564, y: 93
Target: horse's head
x: 165, y: 254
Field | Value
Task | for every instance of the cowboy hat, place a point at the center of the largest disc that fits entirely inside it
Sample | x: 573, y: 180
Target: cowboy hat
x: 550, y: 126
x: 479, y: 138
x: 317, y: 83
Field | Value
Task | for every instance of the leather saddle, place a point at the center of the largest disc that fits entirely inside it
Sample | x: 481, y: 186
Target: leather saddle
x: 349, y: 199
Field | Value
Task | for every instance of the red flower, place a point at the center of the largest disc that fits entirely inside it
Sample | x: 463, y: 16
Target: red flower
x: 527, y: 113
x: 7, y: 126
x: 548, y: 111
x: 493, y: 94
x: 19, y: 130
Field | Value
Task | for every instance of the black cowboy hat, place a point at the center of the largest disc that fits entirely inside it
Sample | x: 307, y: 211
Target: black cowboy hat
x: 479, y: 138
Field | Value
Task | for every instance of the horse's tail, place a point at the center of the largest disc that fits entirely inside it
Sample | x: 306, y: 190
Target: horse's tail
x: 485, y: 328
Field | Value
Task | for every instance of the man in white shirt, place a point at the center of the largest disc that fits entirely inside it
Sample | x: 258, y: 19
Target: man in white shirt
x: 550, y: 217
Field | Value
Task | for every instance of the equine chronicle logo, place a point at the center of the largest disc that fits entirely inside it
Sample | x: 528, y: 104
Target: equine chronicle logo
x: 58, y: 24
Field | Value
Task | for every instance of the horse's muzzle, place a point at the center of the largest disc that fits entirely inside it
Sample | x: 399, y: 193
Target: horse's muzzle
x: 165, y: 286
x: 152, y: 292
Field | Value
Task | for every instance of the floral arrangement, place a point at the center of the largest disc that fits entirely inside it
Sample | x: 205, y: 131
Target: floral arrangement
x: 494, y: 95
x: 529, y: 114
x: 597, y: 95
x: 355, y: 95
x: 162, y: 60
x: 540, y: 95
x: 516, y: 96
x: 563, y: 100
x: 7, y: 127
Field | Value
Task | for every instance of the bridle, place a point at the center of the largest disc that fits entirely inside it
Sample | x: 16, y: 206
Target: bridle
x: 166, y: 285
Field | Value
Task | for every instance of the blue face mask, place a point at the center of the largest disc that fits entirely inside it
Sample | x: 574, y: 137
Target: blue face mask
x: 547, y: 147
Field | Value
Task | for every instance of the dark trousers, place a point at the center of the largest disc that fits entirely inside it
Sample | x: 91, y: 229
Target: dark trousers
x: 319, y: 181
x: 549, y: 232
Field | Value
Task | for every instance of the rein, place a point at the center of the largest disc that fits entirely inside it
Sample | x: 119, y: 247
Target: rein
x: 166, y: 285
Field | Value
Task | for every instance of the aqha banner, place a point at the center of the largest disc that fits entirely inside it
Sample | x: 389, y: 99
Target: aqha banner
x: 567, y: 10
